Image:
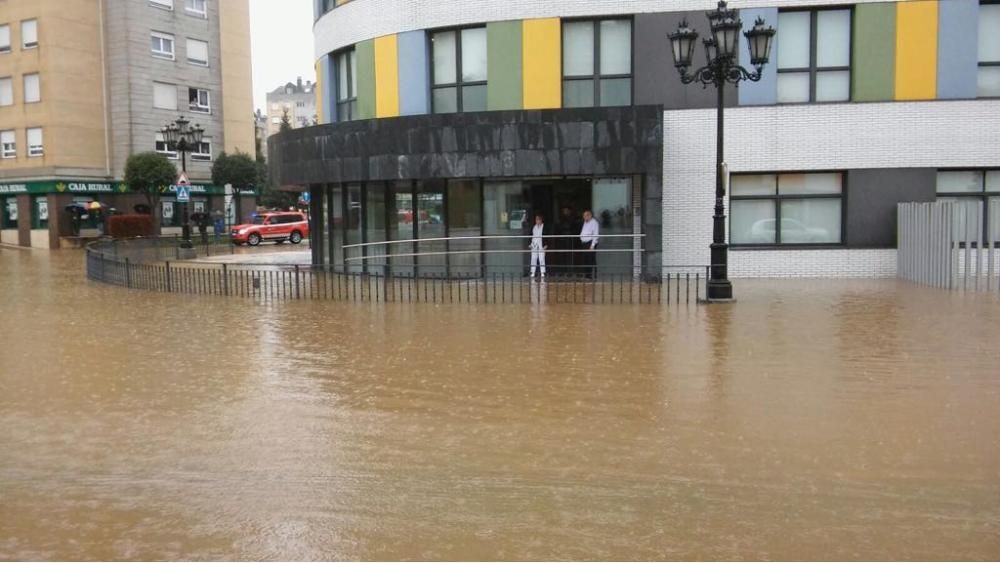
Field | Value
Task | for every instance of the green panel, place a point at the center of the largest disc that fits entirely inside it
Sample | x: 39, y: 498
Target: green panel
x: 874, y: 64
x: 366, y: 79
x: 503, y: 40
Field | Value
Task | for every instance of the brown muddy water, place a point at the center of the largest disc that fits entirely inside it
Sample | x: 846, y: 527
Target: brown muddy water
x: 810, y: 420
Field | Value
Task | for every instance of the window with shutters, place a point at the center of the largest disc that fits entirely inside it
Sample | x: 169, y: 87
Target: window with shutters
x: 197, y: 52
x: 164, y: 96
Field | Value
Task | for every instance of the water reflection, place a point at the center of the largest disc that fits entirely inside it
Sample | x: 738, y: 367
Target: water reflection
x: 809, y: 420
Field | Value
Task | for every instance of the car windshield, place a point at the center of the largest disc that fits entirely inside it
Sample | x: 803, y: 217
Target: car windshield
x: 258, y: 220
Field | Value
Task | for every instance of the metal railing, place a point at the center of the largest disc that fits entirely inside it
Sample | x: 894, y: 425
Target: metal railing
x: 122, y: 264
x: 950, y: 245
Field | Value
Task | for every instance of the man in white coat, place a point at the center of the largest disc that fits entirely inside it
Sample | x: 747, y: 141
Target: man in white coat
x: 538, y: 246
x: 588, y: 240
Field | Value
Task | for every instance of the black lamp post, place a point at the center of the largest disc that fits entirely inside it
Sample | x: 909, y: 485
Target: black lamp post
x: 720, y: 51
x: 183, y: 138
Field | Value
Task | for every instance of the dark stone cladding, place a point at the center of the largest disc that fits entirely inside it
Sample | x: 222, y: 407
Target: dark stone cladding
x: 558, y: 142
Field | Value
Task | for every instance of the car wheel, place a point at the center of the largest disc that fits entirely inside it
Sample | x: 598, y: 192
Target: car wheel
x: 253, y: 239
x: 296, y: 237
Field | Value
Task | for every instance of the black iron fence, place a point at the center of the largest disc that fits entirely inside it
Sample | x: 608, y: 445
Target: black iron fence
x: 147, y: 264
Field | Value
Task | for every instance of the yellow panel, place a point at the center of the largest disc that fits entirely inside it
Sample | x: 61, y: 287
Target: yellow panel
x: 318, y: 91
x: 541, y: 41
x: 916, y: 50
x: 386, y: 77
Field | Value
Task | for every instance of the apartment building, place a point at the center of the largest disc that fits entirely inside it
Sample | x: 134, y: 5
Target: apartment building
x: 297, y: 100
x: 86, y: 83
x: 473, y: 115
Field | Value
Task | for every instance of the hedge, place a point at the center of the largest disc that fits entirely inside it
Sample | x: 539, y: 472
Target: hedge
x: 128, y: 226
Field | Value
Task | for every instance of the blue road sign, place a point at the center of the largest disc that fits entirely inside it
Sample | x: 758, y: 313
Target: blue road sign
x: 183, y: 194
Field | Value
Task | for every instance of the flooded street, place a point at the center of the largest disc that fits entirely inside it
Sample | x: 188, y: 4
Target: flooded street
x: 811, y: 420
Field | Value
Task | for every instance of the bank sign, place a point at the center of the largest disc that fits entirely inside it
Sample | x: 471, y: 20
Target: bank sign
x: 85, y: 187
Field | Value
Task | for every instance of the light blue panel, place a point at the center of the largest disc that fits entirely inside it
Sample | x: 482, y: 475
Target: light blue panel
x: 958, y: 48
x: 414, y: 74
x: 329, y: 89
x: 764, y: 92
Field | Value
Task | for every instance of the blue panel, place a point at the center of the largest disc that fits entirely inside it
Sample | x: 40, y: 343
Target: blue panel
x: 414, y: 74
x: 764, y: 92
x: 327, y: 75
x: 958, y: 48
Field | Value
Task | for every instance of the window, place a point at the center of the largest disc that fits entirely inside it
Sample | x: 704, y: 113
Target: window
x: 197, y: 52
x: 347, y: 86
x: 163, y: 45
x: 196, y: 7
x: 202, y: 151
x: 164, y: 96
x: 458, y: 70
x: 164, y: 4
x: 989, y: 50
x: 162, y: 147
x: 779, y: 209
x: 328, y: 5
x: 199, y: 100
x: 969, y: 188
x: 300, y: 104
x: 8, y: 144
x: 4, y: 38
x: 6, y: 91
x: 814, y: 56
x: 34, y: 137
x: 597, y: 63
x: 29, y: 34
x: 32, y: 89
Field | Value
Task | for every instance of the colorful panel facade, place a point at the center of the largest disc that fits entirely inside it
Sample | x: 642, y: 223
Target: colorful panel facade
x: 386, y: 77
x: 414, y: 73
x: 504, y: 87
x: 542, y: 62
x: 916, y: 49
x: 365, y: 54
x: 874, y: 53
x: 958, y: 44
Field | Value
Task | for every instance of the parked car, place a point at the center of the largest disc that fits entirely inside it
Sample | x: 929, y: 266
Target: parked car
x: 275, y: 226
x: 792, y: 232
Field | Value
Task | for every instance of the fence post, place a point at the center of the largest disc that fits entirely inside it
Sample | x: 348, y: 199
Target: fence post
x: 297, y: 295
x: 128, y: 275
x: 385, y: 283
x: 225, y: 281
x: 167, y: 267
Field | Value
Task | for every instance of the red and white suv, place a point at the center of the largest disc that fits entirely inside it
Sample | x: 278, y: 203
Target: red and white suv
x: 278, y: 226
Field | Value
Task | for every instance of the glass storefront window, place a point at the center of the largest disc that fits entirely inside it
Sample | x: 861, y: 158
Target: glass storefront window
x: 375, y: 228
x: 352, y: 228
x: 505, y: 212
x: 40, y: 210
x: 336, y: 207
x: 8, y: 213
x: 401, y: 226
x: 430, y: 225
x: 753, y: 222
x: 612, y: 207
x: 464, y: 221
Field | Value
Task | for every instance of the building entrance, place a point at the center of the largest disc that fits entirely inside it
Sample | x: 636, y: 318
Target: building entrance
x: 561, y: 203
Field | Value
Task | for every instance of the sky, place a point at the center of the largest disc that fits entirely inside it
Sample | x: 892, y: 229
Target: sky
x: 281, y: 44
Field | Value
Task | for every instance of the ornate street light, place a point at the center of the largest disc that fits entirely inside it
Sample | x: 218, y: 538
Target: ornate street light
x: 180, y: 137
x: 721, y: 67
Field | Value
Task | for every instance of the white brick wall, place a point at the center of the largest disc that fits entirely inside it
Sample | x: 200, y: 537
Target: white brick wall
x: 811, y: 137
x: 367, y: 19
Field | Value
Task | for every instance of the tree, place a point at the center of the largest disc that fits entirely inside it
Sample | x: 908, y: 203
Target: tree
x: 286, y: 121
x: 237, y: 170
x: 149, y: 173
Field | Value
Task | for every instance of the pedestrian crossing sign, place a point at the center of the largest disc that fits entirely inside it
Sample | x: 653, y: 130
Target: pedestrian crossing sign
x: 183, y: 193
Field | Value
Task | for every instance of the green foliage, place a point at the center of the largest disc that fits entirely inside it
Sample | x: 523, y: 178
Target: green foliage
x: 149, y: 173
x: 237, y: 169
